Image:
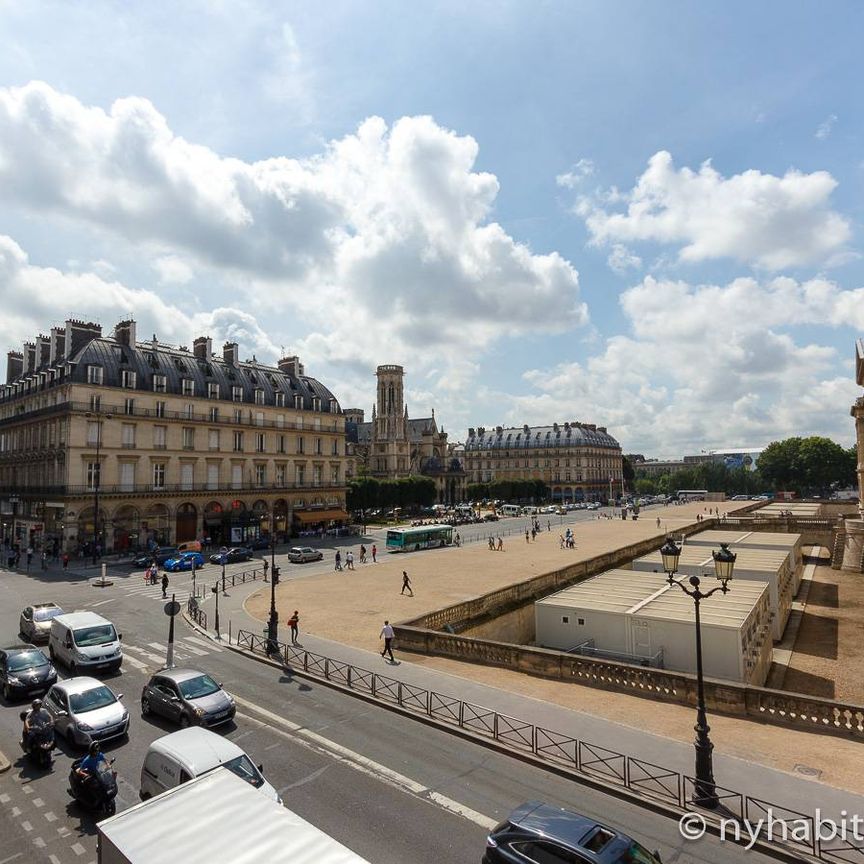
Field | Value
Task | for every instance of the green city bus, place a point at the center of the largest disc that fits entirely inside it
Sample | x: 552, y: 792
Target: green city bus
x: 422, y: 537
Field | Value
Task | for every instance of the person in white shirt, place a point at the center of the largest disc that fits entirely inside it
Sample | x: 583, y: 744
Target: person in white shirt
x: 387, y: 634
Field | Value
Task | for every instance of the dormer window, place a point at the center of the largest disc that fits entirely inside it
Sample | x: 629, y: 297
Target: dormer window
x: 280, y: 399
x: 159, y: 383
x: 298, y: 401
x: 259, y: 396
x: 127, y: 378
x: 188, y: 386
x: 94, y: 375
x: 316, y: 403
x: 237, y: 393
x: 212, y: 391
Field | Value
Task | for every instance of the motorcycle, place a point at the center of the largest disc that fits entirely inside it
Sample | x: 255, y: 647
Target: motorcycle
x: 38, y: 742
x: 95, y: 791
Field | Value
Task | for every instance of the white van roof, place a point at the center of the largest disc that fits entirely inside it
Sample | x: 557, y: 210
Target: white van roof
x: 198, y: 748
x: 73, y: 620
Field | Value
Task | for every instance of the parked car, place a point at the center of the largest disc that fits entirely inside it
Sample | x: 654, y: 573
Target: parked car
x: 490, y: 517
x: 160, y: 555
x: 302, y: 554
x: 184, y: 561
x: 231, y: 556
x: 188, y: 697
x: 35, y: 622
x: 541, y: 832
x: 84, y: 710
x: 24, y: 670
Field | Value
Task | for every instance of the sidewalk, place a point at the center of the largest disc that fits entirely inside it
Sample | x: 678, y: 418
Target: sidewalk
x: 342, y: 613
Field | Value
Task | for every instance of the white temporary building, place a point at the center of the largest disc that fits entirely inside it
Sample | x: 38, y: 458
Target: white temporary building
x: 638, y: 617
x: 773, y: 567
x: 798, y: 509
x: 774, y: 540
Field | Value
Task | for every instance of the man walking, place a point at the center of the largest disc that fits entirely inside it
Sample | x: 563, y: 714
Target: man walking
x: 374, y: 553
x: 164, y: 586
x: 338, y: 560
x: 294, y: 624
x: 406, y: 583
x: 349, y: 559
x: 387, y: 634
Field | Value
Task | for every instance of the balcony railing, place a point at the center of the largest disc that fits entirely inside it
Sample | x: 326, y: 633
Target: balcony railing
x: 121, y: 411
x: 151, y: 489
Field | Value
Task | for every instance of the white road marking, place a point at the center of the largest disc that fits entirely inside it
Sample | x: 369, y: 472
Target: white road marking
x: 39, y: 842
x: 158, y: 646
x: 38, y: 802
x: 16, y: 812
x: 102, y: 602
x: 51, y: 817
x: 193, y: 649
x: 135, y: 662
x: 63, y: 831
x: 26, y: 825
x: 13, y: 857
x: 147, y: 654
x: 368, y: 766
x: 27, y: 790
x: 54, y: 859
x: 77, y: 848
x: 4, y: 799
x: 203, y: 642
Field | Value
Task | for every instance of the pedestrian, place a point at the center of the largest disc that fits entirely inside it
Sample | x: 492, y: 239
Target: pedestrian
x: 65, y: 560
x: 500, y: 545
x: 406, y: 583
x: 658, y: 521
x: 526, y: 535
x: 362, y: 554
x: 533, y: 533
x: 29, y: 557
x: 387, y: 634
x: 266, y: 567
x: 154, y: 573
x: 44, y: 560
x: 491, y: 544
x: 548, y: 525
x: 349, y: 559
x: 164, y: 586
x: 294, y: 624
x: 560, y: 541
x: 374, y: 552
x: 458, y: 539
x: 338, y: 560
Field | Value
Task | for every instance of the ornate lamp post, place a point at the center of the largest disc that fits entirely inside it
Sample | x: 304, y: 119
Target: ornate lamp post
x: 273, y: 621
x: 97, y: 477
x: 215, y: 590
x: 705, y: 792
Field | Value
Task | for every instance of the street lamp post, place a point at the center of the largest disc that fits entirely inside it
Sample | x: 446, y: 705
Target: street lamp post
x: 97, y: 477
x: 215, y: 590
x: 705, y: 792
x: 273, y: 621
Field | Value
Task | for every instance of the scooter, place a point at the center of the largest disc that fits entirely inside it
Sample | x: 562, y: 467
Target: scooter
x: 38, y: 743
x: 96, y: 791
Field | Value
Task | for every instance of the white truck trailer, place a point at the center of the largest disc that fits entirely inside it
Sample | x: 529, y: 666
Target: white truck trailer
x: 215, y: 819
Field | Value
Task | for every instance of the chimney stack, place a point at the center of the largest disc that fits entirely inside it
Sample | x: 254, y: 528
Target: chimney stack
x: 43, y: 351
x: 79, y: 333
x: 14, y: 366
x: 202, y: 348
x: 29, y: 357
x: 231, y: 353
x: 58, y: 344
x: 291, y: 366
x: 124, y: 333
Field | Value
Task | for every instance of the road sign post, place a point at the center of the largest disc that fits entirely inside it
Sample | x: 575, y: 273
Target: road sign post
x: 171, y: 609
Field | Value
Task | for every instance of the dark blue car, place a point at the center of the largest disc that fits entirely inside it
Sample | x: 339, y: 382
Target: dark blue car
x: 184, y: 561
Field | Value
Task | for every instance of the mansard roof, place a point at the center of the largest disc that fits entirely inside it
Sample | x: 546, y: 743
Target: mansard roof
x: 416, y: 430
x: 535, y: 437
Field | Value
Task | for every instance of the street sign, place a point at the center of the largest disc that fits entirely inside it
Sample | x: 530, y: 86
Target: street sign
x: 171, y: 608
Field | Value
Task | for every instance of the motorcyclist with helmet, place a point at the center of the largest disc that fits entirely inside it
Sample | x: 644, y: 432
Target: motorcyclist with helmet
x: 89, y: 765
x: 37, y: 716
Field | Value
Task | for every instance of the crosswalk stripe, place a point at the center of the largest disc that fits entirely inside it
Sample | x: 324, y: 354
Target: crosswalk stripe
x: 203, y: 642
x: 155, y: 658
x: 158, y: 646
x: 134, y: 661
x: 194, y: 650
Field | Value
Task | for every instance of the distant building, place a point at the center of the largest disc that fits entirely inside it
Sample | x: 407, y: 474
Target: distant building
x: 393, y: 445
x: 173, y: 444
x: 577, y: 461
x: 736, y: 457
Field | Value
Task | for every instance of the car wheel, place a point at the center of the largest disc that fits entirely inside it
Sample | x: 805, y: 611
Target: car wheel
x: 145, y: 706
x: 184, y: 721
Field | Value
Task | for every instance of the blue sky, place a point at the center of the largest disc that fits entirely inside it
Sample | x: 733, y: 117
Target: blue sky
x: 645, y: 216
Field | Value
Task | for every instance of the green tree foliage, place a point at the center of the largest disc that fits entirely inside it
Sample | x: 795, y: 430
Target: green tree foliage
x: 808, y: 466
x: 628, y: 471
x: 406, y: 492
x: 509, y: 490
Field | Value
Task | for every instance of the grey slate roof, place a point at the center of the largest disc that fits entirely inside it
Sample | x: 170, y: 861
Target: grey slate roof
x: 536, y: 437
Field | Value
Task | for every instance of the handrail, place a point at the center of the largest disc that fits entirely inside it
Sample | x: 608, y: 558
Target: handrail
x: 592, y: 761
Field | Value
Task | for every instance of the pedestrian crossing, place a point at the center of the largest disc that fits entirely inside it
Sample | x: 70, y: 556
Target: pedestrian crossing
x: 152, y: 655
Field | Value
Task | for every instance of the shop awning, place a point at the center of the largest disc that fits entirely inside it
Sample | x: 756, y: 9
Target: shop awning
x: 309, y: 516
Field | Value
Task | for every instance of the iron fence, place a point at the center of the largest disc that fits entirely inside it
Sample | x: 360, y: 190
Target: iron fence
x: 789, y: 830
x: 196, y: 613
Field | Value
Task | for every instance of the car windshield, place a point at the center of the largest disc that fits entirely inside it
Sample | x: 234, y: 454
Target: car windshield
x: 26, y: 660
x: 46, y: 614
x: 90, y: 700
x: 98, y: 635
x: 242, y: 766
x: 195, y: 688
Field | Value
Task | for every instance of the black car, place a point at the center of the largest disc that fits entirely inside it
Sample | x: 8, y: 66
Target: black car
x: 231, y: 556
x: 24, y: 671
x: 161, y: 554
x: 541, y: 832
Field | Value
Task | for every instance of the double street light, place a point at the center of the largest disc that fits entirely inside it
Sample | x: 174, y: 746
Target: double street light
x: 705, y: 792
x: 97, y: 476
x: 273, y: 621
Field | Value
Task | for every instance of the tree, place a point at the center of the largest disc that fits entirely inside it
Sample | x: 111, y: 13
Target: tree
x: 628, y: 472
x: 807, y: 465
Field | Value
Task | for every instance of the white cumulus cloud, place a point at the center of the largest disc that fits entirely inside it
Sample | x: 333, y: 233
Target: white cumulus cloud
x: 768, y: 221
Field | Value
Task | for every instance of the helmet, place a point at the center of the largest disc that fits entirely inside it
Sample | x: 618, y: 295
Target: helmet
x: 94, y: 748
x: 36, y: 704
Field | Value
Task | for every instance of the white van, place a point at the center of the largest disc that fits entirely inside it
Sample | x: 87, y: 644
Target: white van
x: 510, y: 510
x: 85, y: 642
x: 181, y: 756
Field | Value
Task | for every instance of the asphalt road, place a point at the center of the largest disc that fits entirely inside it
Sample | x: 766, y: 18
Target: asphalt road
x: 390, y: 788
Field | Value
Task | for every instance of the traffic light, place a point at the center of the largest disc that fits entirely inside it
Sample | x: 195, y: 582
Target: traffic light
x: 275, y: 575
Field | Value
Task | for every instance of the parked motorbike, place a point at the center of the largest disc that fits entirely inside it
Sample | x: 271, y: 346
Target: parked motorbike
x: 38, y: 742
x: 97, y: 790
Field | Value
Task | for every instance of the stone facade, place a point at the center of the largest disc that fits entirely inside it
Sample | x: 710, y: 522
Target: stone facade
x: 394, y: 445
x: 577, y: 461
x: 853, y: 533
x: 173, y: 444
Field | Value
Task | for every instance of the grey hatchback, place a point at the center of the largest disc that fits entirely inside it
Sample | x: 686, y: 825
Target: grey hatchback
x: 542, y: 833
x: 187, y: 697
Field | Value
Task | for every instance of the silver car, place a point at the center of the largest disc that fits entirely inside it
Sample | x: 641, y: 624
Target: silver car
x: 302, y: 554
x: 35, y: 622
x: 187, y: 697
x: 84, y: 710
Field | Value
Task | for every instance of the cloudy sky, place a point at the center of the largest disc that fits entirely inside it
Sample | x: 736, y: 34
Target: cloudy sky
x: 646, y: 216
